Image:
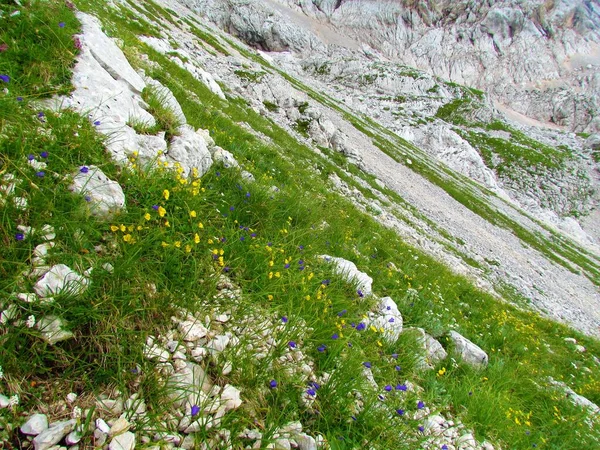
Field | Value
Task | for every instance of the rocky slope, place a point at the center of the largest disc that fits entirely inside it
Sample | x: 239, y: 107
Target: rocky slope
x: 527, y: 58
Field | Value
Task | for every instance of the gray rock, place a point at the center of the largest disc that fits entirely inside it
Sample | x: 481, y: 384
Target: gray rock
x: 225, y: 157
x: 105, y: 196
x: 470, y: 353
x: 53, y: 435
x: 124, y: 441
x: 60, y: 279
x: 4, y: 401
x: 99, y: 437
x: 35, y: 425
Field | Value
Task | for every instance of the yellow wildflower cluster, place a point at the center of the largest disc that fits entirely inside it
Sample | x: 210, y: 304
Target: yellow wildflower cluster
x: 519, y: 417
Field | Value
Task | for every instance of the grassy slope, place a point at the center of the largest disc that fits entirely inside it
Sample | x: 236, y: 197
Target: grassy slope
x: 112, y: 319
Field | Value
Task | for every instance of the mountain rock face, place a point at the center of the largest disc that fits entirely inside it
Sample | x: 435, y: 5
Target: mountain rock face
x: 539, y: 57
x: 534, y: 61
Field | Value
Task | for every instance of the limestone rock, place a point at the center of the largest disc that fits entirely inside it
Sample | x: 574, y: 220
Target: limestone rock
x: 189, y: 385
x: 35, y: 425
x: 125, y: 441
x: 190, y: 150
x: 434, y: 352
x: 53, y: 329
x: 389, y: 318
x: 105, y: 196
x: 53, y: 435
x: 231, y: 397
x: 60, y: 279
x: 470, y: 353
x: 192, y: 330
x: 349, y: 271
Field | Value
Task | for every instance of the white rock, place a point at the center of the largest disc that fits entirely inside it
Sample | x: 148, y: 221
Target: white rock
x: 227, y: 368
x: 102, y: 425
x: 349, y: 271
x: 190, y: 150
x: 156, y: 353
x: 4, y: 401
x: 105, y: 196
x: 27, y: 297
x: 389, y: 318
x: 35, y: 425
x: 434, y: 352
x: 52, y: 329
x: 282, y: 444
x: 306, y: 442
x: 188, y: 385
x: 53, y: 435
x: 60, y: 279
x: 192, y: 330
x: 120, y: 426
x: 470, y: 353
x: 73, y: 438
x: 231, y: 397
x: 225, y: 157
x: 219, y: 343
x: 99, y: 437
x: 125, y: 441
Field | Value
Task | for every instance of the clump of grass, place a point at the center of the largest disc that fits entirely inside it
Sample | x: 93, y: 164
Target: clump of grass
x: 166, y: 119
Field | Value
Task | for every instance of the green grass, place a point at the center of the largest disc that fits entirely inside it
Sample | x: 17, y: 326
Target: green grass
x: 155, y: 274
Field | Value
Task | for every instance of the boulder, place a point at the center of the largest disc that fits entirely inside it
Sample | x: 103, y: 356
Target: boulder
x: 105, y: 196
x: 189, y: 386
x: 469, y: 352
x: 190, y: 150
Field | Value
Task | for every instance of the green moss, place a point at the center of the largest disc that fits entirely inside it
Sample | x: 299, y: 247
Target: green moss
x: 271, y: 106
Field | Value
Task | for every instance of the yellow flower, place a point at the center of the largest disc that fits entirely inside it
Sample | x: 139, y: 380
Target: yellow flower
x: 215, y: 251
x: 270, y: 297
x: 196, y: 238
x: 192, y: 213
x: 130, y: 228
x: 147, y: 216
x: 177, y: 244
x: 162, y: 211
x: 122, y: 228
x: 307, y: 298
x: 221, y: 252
x: 210, y: 241
x: 166, y: 194
x: 277, y: 274
x: 379, y: 343
x: 167, y: 224
x: 127, y: 238
x: 200, y: 226
x: 164, y: 244
x: 373, y: 329
x: 270, y: 275
x: 114, y: 228
x: 139, y: 227
x: 221, y: 262
x: 271, y: 263
x: 188, y: 248
x: 310, y: 276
